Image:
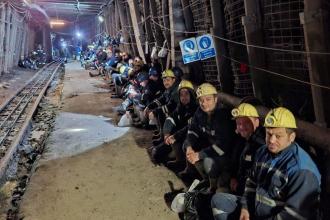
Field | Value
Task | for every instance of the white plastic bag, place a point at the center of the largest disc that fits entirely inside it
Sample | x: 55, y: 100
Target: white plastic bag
x: 163, y: 52
x: 125, y: 120
x: 153, y: 54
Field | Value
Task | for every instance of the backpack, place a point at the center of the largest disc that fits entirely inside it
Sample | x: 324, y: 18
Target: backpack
x: 198, y: 205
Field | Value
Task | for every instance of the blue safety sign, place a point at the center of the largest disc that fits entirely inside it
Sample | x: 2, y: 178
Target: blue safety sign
x: 189, y: 50
x: 205, y: 46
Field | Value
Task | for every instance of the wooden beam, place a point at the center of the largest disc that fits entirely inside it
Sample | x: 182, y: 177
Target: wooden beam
x: 2, y: 38
x: 138, y: 31
x: 7, y: 39
x: 157, y: 30
x: 124, y: 25
x: 13, y: 39
x: 131, y: 31
x: 313, y: 19
x: 176, y: 23
x: 254, y: 36
x: 117, y: 18
x: 147, y: 23
x: 113, y: 20
x: 225, y: 76
x: 166, y: 20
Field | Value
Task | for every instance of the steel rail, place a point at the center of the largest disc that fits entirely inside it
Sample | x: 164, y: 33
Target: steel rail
x: 24, y: 86
x: 18, y: 104
x: 12, y: 149
x: 28, y: 97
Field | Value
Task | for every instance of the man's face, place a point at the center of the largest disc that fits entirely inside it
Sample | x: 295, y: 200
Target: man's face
x: 244, y: 126
x: 277, y: 139
x: 144, y: 83
x: 154, y: 78
x: 184, y: 96
x: 168, y: 82
x: 208, y: 103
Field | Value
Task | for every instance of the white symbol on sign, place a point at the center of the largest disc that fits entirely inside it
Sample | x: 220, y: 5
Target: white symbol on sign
x: 205, y: 42
x: 189, y: 46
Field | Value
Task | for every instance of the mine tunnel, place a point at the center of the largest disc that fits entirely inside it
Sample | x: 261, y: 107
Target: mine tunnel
x: 164, y: 109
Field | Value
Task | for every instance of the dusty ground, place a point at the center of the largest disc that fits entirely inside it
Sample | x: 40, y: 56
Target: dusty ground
x: 13, y: 81
x: 112, y: 181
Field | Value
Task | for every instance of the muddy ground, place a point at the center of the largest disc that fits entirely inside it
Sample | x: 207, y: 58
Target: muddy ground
x: 114, y: 180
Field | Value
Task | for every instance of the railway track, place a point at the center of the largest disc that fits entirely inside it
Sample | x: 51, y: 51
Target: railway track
x: 16, y: 113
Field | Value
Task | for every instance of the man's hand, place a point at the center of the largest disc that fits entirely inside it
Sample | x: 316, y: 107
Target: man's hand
x: 169, y: 140
x: 191, y: 155
x: 165, y: 137
x: 151, y: 116
x: 146, y: 112
x: 244, y: 214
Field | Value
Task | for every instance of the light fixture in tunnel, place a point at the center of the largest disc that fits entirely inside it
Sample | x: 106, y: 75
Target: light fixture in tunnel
x: 56, y: 23
x: 78, y: 34
x: 27, y: 2
x: 101, y: 18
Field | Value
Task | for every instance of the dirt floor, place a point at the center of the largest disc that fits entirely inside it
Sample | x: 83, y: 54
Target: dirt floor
x: 13, y: 81
x: 112, y: 181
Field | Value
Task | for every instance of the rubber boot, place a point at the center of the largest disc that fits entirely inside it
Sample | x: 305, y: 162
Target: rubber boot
x: 200, y: 168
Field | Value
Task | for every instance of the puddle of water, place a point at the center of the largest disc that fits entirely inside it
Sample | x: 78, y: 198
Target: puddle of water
x: 76, y: 133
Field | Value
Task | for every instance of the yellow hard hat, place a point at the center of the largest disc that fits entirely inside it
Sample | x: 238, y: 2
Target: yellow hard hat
x: 245, y: 110
x: 122, y: 69
x: 206, y: 89
x: 185, y: 84
x: 280, y: 118
x: 130, y: 71
x: 168, y: 73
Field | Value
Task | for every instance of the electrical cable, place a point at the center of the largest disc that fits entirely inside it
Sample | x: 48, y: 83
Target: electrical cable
x: 258, y: 68
x: 244, y: 44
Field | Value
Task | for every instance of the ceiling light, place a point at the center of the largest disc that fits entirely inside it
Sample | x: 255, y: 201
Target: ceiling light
x: 101, y: 18
x: 78, y: 34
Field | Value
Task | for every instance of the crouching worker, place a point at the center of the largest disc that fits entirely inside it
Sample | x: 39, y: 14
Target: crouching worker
x: 164, y: 105
x: 175, y: 129
x: 210, y: 139
x: 284, y: 182
x: 249, y: 128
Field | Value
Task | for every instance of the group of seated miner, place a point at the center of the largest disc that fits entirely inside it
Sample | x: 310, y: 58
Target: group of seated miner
x: 252, y: 169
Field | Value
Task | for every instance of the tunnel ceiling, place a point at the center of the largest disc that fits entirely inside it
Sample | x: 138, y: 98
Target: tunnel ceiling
x: 71, y: 10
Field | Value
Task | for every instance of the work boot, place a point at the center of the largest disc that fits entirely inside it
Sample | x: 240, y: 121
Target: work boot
x: 176, y: 166
x: 155, y: 137
x: 213, y: 185
x: 189, y: 174
x: 200, y: 168
x: 119, y: 109
x: 160, y: 153
x: 158, y: 141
